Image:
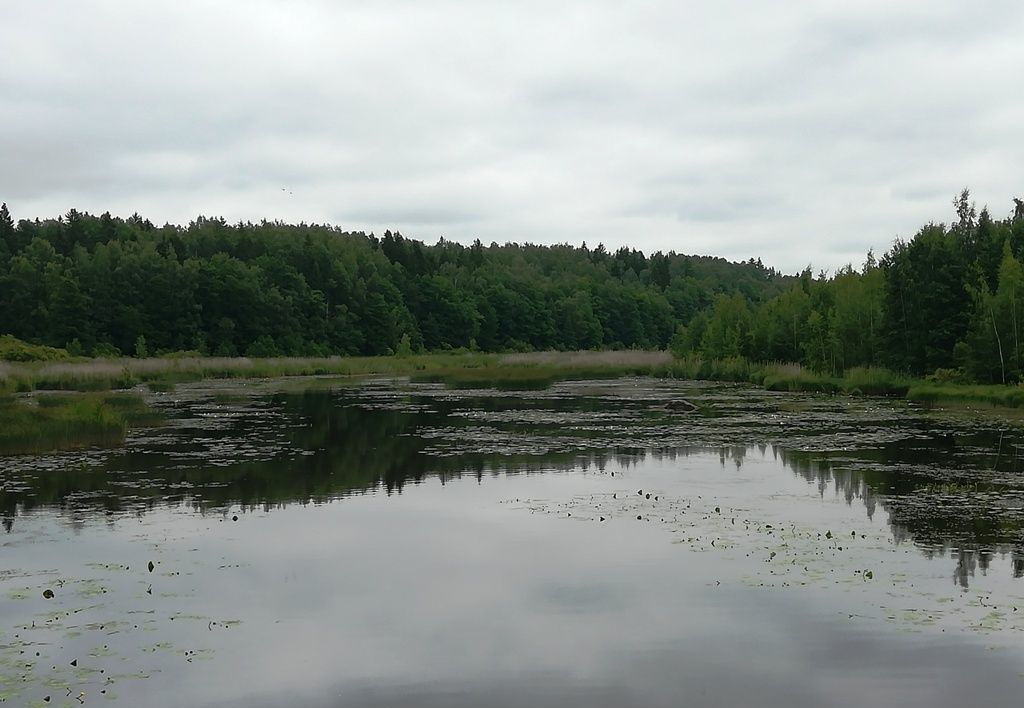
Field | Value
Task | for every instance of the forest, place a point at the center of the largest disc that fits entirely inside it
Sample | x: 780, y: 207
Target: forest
x: 948, y: 302
x: 105, y: 286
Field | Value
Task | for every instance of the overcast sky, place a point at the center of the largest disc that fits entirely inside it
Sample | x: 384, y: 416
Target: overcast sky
x: 803, y: 132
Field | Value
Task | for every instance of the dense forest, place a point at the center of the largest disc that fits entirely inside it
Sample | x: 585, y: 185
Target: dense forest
x: 948, y: 303
x: 105, y: 285
x: 949, y: 300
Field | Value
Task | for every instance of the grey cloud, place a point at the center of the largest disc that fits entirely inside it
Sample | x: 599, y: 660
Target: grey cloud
x: 736, y: 129
x: 425, y: 215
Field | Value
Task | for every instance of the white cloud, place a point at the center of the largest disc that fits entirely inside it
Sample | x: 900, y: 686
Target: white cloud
x: 804, y: 132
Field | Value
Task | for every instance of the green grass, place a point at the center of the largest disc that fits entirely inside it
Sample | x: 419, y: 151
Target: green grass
x: 781, y: 376
x: 701, y: 369
x: 875, y: 381
x: 967, y: 394
x: 539, y: 370
x: 54, y: 422
x: 517, y: 378
x: 534, y: 370
x: 162, y: 374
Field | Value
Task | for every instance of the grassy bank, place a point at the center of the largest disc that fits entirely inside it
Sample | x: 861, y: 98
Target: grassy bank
x: 469, y: 369
x: 776, y: 376
x: 539, y: 370
x: 967, y: 394
x: 161, y: 374
x: 535, y: 370
x: 57, y: 422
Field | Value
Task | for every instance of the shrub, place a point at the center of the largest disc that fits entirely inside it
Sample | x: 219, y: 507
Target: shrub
x: 14, y: 349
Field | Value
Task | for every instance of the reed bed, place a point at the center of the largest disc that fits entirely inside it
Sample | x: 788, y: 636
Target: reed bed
x: 163, y: 373
x: 625, y: 359
x: 969, y: 395
x: 66, y: 421
x: 532, y: 370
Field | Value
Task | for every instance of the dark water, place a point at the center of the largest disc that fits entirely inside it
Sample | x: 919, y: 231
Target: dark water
x: 595, y: 544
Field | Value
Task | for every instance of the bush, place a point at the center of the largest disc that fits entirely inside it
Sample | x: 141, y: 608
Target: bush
x: 13, y: 349
x: 942, y: 376
x: 874, y: 381
x: 404, y: 346
x: 263, y: 348
x: 105, y: 350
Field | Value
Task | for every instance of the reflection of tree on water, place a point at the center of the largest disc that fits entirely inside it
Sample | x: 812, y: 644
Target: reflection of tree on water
x: 916, y: 485
x: 337, y: 448
x: 944, y: 490
x: 968, y: 560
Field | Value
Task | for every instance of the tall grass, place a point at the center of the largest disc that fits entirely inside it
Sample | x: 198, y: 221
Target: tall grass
x: 163, y: 373
x: 475, y: 370
x: 992, y: 395
x: 539, y: 370
x: 62, y: 422
x: 701, y: 369
x: 631, y: 360
x: 875, y: 381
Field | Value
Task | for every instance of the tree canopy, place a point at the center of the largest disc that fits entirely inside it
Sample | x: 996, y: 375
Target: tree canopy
x: 950, y: 299
x: 105, y: 285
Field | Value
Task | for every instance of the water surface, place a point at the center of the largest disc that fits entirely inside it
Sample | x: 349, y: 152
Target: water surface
x: 383, y: 544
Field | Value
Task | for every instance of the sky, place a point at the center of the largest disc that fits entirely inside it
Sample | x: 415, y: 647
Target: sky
x: 802, y: 133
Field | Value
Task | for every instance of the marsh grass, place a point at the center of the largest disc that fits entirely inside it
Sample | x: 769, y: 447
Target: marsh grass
x: 626, y: 360
x: 539, y: 370
x: 161, y: 374
x: 534, y: 370
x: 700, y: 369
x: 60, y: 421
x: 874, y: 381
x: 989, y: 396
x: 517, y: 378
x: 784, y: 376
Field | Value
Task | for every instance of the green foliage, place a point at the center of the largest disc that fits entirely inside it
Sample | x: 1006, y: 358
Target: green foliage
x: 1002, y: 396
x: 105, y: 350
x: 64, y: 422
x: 950, y: 298
x: 272, y: 289
x: 728, y: 332
x: 681, y: 344
x: 946, y: 376
x: 534, y: 376
x: 874, y: 381
x: 404, y: 349
x: 13, y: 349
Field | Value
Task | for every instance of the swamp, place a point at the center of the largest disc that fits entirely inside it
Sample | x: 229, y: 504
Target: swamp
x: 384, y: 541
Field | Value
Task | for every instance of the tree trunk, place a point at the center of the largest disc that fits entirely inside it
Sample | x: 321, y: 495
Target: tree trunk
x: 999, y: 343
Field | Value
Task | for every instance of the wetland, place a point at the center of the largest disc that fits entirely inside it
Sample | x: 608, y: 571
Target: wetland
x: 631, y: 542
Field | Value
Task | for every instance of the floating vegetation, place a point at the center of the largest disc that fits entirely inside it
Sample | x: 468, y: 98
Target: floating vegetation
x: 963, y: 394
x: 84, y: 640
x: 863, y: 563
x: 919, y: 485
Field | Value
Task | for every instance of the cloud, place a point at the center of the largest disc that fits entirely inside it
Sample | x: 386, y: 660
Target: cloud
x: 736, y: 129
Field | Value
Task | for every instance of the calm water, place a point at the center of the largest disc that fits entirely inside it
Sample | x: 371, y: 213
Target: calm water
x: 389, y: 544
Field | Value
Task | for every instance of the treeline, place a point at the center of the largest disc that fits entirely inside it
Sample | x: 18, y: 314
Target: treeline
x: 103, y: 286
x: 949, y: 303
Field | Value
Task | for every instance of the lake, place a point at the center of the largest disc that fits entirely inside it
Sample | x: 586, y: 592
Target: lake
x: 380, y: 543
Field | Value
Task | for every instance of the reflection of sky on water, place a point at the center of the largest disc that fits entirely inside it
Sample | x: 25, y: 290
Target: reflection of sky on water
x: 427, y: 583
x: 444, y: 595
